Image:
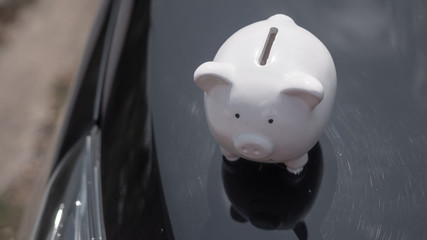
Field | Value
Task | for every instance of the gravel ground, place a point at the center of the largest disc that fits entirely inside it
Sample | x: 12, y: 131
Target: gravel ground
x: 40, y: 51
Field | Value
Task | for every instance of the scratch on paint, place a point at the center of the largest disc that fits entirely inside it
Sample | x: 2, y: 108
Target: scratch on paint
x: 200, y: 181
x: 349, y: 168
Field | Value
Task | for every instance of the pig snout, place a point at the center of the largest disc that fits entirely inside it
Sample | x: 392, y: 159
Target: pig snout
x: 253, y: 146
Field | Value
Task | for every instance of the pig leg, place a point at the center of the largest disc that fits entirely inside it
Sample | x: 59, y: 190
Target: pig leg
x: 295, y: 166
x: 228, y: 155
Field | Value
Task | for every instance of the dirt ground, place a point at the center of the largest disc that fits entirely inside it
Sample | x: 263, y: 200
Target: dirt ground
x: 40, y: 52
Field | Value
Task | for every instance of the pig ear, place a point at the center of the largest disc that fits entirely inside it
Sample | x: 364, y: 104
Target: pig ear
x: 306, y: 87
x: 211, y: 74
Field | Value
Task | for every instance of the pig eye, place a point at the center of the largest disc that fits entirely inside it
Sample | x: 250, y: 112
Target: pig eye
x: 270, y: 120
x: 237, y: 115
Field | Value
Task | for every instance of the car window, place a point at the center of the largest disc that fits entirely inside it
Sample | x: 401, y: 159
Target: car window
x: 72, y: 206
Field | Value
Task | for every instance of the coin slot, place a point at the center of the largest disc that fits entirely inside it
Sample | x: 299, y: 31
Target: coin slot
x: 267, y: 46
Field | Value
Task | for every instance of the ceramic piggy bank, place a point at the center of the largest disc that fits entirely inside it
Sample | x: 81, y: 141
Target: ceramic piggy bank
x: 269, y: 92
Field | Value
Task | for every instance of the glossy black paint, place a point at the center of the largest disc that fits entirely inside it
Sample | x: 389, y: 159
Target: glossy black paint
x: 132, y: 193
x: 377, y: 129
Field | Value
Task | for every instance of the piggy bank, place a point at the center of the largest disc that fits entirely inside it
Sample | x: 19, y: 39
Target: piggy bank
x: 269, y: 93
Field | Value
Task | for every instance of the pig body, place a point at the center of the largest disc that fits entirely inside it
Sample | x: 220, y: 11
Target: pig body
x: 269, y: 92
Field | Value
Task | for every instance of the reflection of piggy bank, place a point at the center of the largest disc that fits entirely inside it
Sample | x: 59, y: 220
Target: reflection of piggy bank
x: 269, y: 92
x: 271, y: 198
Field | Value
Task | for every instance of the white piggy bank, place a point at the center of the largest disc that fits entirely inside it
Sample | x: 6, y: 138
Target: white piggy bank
x: 269, y: 92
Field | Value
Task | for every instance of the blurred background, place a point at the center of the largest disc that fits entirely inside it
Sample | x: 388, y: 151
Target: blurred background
x: 41, y: 46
